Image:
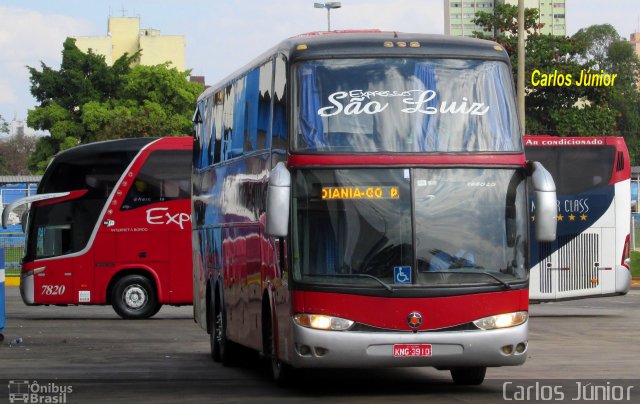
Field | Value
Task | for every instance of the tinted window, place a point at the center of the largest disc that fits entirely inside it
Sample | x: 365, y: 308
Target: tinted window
x: 351, y: 222
x: 576, y: 169
x: 279, y: 128
x: 165, y: 176
x: 430, y: 227
x: 97, y: 172
x: 264, y: 106
x: 62, y: 228
x: 405, y: 105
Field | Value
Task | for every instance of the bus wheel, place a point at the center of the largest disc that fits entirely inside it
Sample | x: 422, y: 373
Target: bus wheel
x: 280, y: 371
x: 472, y: 376
x: 156, y: 310
x: 226, y: 349
x: 134, y: 297
x: 214, y: 342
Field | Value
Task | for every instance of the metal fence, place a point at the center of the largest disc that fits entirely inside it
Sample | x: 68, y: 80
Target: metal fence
x: 13, y: 244
x: 635, y: 232
x: 12, y: 239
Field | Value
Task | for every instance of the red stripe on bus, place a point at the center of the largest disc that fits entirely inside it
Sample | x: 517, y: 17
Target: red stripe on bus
x: 391, y: 313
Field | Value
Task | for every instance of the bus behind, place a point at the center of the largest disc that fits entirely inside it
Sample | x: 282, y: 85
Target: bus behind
x: 111, y: 225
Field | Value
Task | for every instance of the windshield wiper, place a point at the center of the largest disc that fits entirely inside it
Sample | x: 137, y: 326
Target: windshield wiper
x: 380, y: 281
x: 503, y: 283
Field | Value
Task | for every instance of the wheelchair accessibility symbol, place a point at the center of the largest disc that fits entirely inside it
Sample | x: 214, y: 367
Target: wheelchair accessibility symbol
x: 402, y: 275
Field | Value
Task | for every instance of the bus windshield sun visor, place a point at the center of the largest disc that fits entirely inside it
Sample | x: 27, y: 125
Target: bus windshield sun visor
x: 26, y: 200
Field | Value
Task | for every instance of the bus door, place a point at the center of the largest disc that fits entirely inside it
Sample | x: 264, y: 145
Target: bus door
x: 105, y: 257
x: 53, y: 280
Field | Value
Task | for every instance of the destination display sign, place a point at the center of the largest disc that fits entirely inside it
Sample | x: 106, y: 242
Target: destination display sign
x: 365, y: 192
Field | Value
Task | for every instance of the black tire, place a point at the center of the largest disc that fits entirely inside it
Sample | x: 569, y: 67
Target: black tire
x: 214, y: 344
x: 472, y: 376
x: 280, y: 372
x: 225, y: 348
x: 134, y: 297
x: 157, y: 309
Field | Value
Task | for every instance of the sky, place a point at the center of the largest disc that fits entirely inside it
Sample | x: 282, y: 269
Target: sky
x: 222, y: 35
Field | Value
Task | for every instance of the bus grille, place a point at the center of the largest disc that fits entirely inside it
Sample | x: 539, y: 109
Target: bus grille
x: 576, y: 263
x: 546, y: 272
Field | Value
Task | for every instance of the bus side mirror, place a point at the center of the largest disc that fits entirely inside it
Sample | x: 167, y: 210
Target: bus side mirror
x: 23, y: 220
x: 278, y: 194
x: 546, y: 202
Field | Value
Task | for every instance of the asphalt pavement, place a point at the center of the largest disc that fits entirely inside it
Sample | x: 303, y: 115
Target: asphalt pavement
x: 82, y: 354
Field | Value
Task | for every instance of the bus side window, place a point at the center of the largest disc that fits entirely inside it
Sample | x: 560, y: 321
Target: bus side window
x: 217, y: 127
x: 171, y: 189
x: 264, y: 106
x: 279, y: 137
x: 250, y: 99
x: 160, y: 179
x: 227, y: 124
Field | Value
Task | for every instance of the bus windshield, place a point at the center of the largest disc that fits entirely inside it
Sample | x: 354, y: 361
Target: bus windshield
x: 65, y: 227
x: 409, y: 227
x: 404, y: 105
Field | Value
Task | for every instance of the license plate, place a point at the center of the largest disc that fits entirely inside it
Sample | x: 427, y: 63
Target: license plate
x: 406, y: 350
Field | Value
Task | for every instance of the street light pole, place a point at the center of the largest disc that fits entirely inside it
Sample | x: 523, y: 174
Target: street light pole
x: 328, y: 6
x: 521, y: 62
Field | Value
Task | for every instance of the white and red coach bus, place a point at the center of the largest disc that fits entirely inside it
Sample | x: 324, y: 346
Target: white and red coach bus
x: 590, y: 256
x: 360, y: 200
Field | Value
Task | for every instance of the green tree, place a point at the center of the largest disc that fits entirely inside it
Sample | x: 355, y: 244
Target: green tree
x: 87, y: 100
x: 586, y: 121
x: 4, y: 125
x: 14, y: 153
x: 608, y: 52
x: 566, y: 110
x: 4, y: 128
x: 596, y: 40
x: 623, y: 61
x: 156, y: 101
x: 503, y: 22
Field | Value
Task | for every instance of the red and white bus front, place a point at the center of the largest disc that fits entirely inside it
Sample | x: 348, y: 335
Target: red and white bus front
x: 409, y: 267
x: 408, y: 216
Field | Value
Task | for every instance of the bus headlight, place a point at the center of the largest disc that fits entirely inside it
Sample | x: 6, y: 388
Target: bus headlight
x: 502, y: 320
x: 322, y: 322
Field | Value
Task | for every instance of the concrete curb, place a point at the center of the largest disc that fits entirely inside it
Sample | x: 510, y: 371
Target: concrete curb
x: 12, y: 281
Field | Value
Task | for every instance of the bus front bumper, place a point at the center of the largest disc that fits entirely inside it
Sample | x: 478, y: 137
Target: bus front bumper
x: 26, y: 288
x: 344, y: 349
x: 623, y: 280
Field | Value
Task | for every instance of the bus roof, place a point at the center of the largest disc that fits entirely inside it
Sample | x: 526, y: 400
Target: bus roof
x: 379, y: 43
x: 110, y: 153
x: 372, y: 43
x: 90, y: 149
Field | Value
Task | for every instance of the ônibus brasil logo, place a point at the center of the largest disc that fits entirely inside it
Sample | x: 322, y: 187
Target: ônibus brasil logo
x: 25, y: 391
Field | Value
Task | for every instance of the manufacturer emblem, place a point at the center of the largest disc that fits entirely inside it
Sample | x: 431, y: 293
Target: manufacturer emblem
x: 414, y: 319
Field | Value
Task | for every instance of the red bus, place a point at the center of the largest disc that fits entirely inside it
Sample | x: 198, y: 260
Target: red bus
x: 360, y: 200
x: 111, y: 225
